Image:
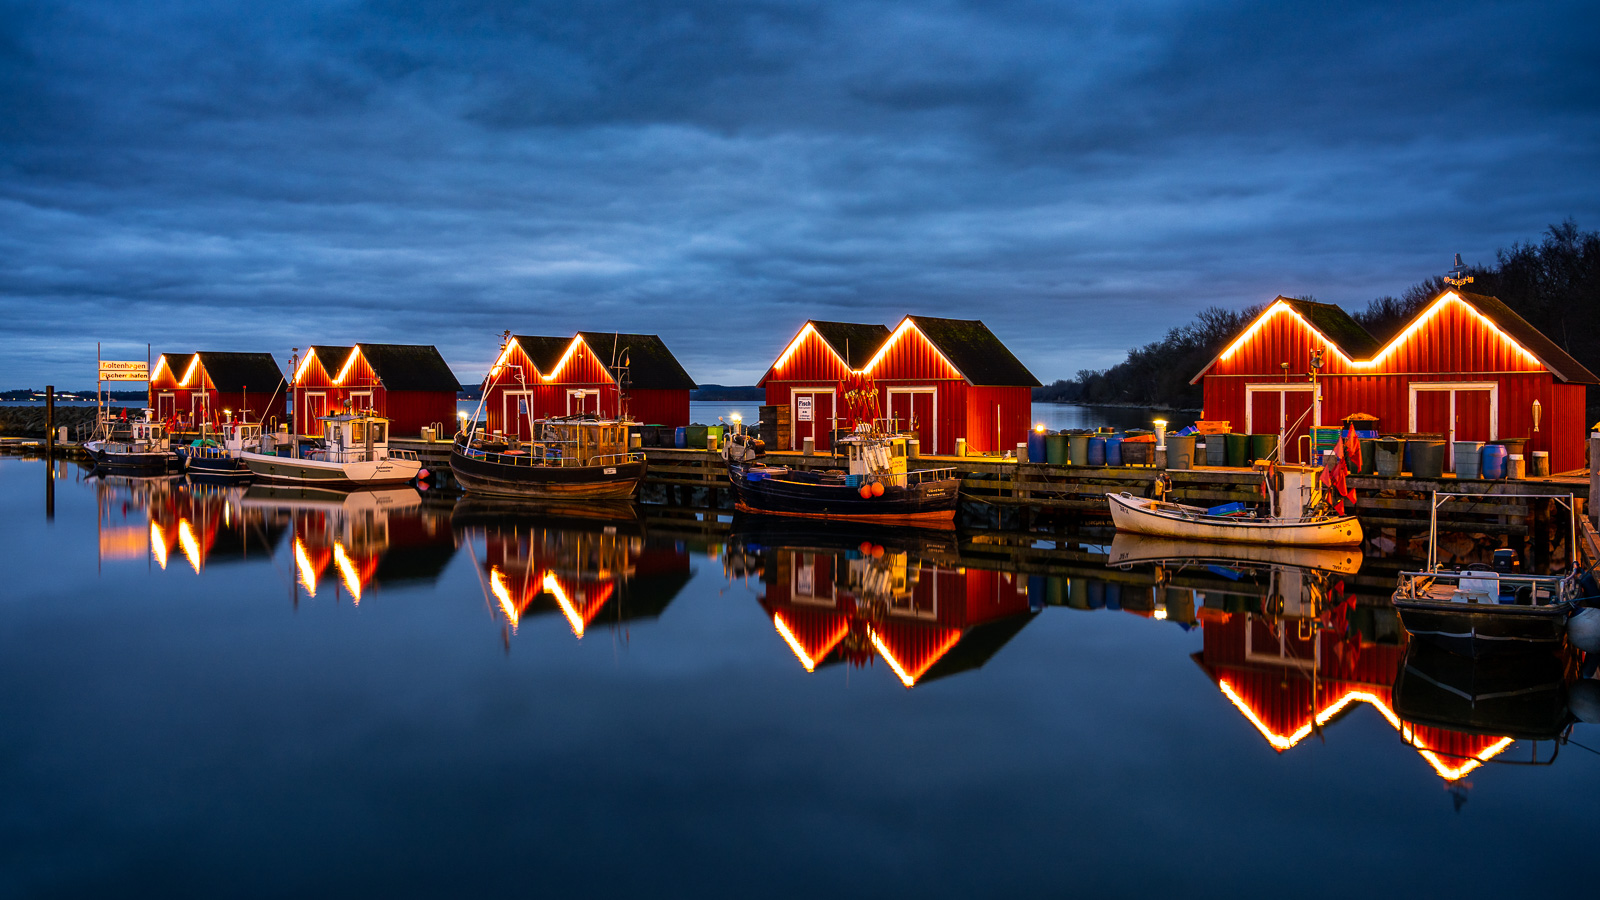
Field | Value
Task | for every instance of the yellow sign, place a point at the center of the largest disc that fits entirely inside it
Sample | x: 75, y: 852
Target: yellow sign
x: 124, y: 371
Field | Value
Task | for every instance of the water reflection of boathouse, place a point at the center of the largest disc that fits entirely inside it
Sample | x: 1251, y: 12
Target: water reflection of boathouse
x: 924, y: 614
x: 594, y: 571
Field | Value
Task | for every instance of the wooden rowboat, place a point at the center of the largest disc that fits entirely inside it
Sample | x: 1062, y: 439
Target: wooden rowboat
x: 1176, y: 520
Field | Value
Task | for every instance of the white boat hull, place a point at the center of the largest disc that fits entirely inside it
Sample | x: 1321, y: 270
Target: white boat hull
x: 312, y: 471
x: 1170, y: 520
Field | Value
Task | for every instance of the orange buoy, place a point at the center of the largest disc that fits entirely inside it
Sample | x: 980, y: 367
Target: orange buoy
x: 866, y: 492
x: 877, y: 489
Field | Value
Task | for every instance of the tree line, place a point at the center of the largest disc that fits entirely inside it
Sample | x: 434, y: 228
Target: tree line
x: 1554, y: 284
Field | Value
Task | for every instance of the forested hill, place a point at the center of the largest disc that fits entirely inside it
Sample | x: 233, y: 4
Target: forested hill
x: 1554, y: 284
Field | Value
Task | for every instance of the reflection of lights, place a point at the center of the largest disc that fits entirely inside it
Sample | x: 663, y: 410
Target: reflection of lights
x: 191, y: 547
x: 158, y: 545
x: 800, y: 650
x: 347, y: 569
x: 308, y: 575
x: 1281, y: 743
x: 571, y: 349
x: 304, y: 365
x: 349, y: 362
x: 553, y: 587
x: 497, y: 584
x: 1161, y: 612
x: 910, y: 678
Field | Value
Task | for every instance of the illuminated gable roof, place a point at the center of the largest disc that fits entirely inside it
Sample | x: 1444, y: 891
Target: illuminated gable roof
x: 1329, y: 322
x: 854, y: 343
x: 543, y: 351
x: 975, y: 352
x: 1558, y: 361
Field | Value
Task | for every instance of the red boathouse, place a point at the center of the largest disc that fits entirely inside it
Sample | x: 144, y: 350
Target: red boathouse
x: 1466, y: 366
x: 409, y: 384
x: 540, y: 377
x: 944, y: 379
x: 187, y: 389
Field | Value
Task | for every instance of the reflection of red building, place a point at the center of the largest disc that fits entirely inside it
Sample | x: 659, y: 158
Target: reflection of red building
x: 584, y: 573
x: 1290, y: 680
x: 924, y: 620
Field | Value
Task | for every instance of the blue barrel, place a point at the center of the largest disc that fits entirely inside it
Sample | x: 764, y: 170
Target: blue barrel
x: 1036, y: 447
x: 1113, y: 595
x: 1113, y: 449
x: 1097, y: 450
x: 1468, y: 456
x: 680, y: 437
x: 1493, y: 464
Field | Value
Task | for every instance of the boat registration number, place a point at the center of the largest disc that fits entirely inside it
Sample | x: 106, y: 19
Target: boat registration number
x: 611, y: 471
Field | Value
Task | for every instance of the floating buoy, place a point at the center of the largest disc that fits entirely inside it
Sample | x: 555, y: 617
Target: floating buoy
x: 877, y: 489
x: 422, y: 473
x: 866, y: 492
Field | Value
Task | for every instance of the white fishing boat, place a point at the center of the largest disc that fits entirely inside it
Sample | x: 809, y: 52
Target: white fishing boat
x: 1298, y: 493
x: 353, y: 449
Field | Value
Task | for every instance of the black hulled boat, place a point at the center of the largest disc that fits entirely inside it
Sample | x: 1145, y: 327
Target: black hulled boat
x: 571, y: 458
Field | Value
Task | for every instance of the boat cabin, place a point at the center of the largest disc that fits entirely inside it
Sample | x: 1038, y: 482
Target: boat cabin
x: 880, y: 457
x: 352, y: 438
x: 579, y: 442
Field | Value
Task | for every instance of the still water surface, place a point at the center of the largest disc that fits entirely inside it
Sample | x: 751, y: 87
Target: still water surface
x: 237, y: 692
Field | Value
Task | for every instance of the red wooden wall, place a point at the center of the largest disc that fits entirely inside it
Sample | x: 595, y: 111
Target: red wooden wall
x: 265, y: 406
x: 582, y: 371
x: 408, y: 412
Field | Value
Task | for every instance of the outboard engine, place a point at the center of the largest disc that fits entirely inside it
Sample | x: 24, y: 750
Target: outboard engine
x: 743, y: 448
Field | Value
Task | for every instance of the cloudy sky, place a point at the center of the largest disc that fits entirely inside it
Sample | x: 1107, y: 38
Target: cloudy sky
x: 1081, y: 175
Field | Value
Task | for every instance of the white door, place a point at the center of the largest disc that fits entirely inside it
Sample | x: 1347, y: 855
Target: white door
x: 166, y: 406
x: 915, y: 410
x: 517, y: 414
x: 583, y: 402
x: 200, y: 407
x: 360, y: 401
x: 1289, y: 410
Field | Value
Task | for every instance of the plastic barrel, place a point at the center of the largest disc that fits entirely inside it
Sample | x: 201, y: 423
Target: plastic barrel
x: 1113, y: 449
x: 680, y: 437
x: 1388, y: 454
x: 1492, y: 462
x: 1097, y: 594
x: 1468, y: 457
x: 1056, y: 590
x: 1427, y: 457
x: 1515, y: 470
x: 1055, y: 446
x: 1078, y: 449
x: 1263, y: 445
x: 1036, y: 452
x: 1237, y: 449
x: 1216, y: 450
x: 696, y: 436
x: 1369, y: 465
x: 715, y: 431
x: 1113, y: 590
x: 1180, y: 451
x: 1540, y: 465
x: 1097, y: 450
x: 1078, y: 593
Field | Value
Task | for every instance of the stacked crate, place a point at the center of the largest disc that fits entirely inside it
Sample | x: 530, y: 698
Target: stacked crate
x: 775, y: 427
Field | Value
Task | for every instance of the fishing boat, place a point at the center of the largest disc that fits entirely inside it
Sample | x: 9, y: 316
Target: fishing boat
x: 876, y: 486
x: 353, y: 450
x: 219, y: 457
x: 1298, y: 515
x: 1136, y: 549
x: 1478, y: 609
x: 141, y: 447
x: 1519, y: 697
x: 569, y: 458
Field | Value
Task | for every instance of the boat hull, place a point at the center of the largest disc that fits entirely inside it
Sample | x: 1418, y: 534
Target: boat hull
x: 928, y: 503
x: 492, y: 479
x: 1137, y: 515
x: 149, y: 463
x: 1522, y: 697
x: 311, y: 471
x: 214, y: 466
x: 1479, y: 630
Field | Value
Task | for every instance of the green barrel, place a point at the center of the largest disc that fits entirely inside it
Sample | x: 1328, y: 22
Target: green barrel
x: 1238, y: 449
x: 1055, y: 449
x: 1427, y: 458
x: 1263, y: 445
x: 696, y: 437
x: 1369, y: 462
x: 1078, y: 449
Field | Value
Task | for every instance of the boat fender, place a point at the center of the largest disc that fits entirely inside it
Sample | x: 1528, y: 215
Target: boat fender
x: 877, y: 489
x: 866, y: 492
x: 1583, y: 629
x: 422, y: 473
x: 1583, y: 700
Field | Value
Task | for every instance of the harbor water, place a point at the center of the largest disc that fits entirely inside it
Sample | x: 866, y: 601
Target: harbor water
x: 250, y: 691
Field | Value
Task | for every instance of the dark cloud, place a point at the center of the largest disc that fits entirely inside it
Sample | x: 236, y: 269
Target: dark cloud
x: 1080, y: 176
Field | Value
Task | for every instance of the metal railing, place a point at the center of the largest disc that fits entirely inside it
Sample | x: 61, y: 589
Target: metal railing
x: 1543, y: 590
x: 918, y: 476
x: 550, y: 459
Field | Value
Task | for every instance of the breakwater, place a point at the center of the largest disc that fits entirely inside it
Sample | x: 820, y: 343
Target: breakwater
x: 29, y: 421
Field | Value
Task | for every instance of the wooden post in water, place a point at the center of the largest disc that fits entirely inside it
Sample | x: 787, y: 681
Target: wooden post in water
x: 1594, y: 476
x: 50, y: 453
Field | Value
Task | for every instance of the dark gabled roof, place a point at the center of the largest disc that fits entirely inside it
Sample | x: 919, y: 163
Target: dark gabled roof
x: 651, y: 366
x: 1557, y: 360
x: 544, y: 352
x: 239, y: 371
x: 331, y: 358
x: 1337, y: 326
x: 410, y: 367
x: 854, y: 343
x: 976, y: 647
x: 976, y: 353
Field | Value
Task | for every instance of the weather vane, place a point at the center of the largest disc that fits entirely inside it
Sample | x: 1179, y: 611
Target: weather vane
x: 1457, y: 276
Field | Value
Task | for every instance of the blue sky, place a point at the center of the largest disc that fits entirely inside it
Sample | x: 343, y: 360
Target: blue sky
x: 1080, y: 176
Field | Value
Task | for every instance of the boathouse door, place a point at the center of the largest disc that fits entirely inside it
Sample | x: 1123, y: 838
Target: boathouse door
x: 316, y: 408
x: 915, y: 410
x: 518, y: 414
x: 1281, y: 408
x: 812, y: 412
x: 166, y: 406
x: 360, y: 401
x: 200, y: 407
x: 1461, y: 411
